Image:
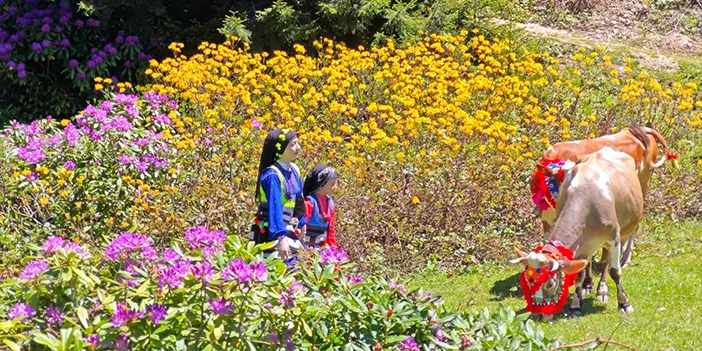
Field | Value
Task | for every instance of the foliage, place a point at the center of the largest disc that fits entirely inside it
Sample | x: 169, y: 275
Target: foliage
x: 50, y: 53
x: 210, y: 292
x: 90, y: 175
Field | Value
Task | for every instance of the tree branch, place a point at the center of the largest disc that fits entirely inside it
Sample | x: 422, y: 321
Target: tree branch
x: 597, y: 340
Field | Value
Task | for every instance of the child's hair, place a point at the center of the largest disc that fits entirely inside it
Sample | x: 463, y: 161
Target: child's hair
x: 318, y: 177
x: 274, y: 146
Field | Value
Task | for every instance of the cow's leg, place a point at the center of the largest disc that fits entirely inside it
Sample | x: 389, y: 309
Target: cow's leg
x: 576, y: 303
x: 587, y: 281
x: 602, y: 290
x: 616, y: 272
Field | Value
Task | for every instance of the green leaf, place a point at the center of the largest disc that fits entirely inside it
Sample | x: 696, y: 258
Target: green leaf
x: 394, y: 339
x: 83, y: 277
x: 66, y: 337
x: 82, y: 316
x: 308, y: 331
x: 67, y: 275
x: 218, y: 332
x: 46, y: 340
x: 11, y: 344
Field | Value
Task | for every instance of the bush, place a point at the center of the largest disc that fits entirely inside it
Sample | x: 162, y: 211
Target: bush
x: 50, y: 53
x: 90, y: 177
x: 213, y: 292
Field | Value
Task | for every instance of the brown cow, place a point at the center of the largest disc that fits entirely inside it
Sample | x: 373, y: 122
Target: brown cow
x: 600, y: 205
x: 636, y: 141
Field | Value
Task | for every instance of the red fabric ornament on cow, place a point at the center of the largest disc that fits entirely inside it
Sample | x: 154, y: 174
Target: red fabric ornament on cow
x: 533, y: 278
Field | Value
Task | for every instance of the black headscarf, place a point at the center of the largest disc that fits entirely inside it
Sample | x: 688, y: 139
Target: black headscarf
x: 318, y: 177
x: 274, y: 146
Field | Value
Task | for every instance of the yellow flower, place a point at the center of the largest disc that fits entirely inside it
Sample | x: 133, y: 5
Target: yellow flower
x: 64, y: 122
x: 43, y: 201
x: 415, y: 200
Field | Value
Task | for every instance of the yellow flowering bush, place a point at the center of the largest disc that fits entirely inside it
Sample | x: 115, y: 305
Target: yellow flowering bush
x: 434, y: 139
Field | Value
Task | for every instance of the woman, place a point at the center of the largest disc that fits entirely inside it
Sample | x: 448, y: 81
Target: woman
x: 319, y: 207
x: 279, y: 194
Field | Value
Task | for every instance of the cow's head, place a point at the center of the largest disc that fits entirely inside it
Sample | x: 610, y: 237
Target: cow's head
x: 548, y: 273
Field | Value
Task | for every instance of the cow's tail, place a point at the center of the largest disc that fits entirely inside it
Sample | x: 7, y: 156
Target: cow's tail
x: 660, y: 139
x: 626, y: 252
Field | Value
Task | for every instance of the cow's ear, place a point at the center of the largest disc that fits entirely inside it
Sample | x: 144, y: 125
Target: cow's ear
x: 570, y: 267
x: 522, y: 257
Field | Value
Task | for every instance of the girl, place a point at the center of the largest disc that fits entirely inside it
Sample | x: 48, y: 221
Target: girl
x: 279, y: 194
x: 319, y: 207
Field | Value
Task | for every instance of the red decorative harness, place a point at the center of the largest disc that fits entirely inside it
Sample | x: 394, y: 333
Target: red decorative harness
x: 543, y: 190
x: 532, y: 279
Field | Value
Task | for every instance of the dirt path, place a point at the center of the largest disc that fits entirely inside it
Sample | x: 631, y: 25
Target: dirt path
x: 621, y: 26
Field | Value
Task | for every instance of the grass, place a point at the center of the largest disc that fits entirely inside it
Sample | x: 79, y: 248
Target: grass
x: 663, y: 280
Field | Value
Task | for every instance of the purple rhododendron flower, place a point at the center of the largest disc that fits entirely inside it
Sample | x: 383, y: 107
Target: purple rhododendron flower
x: 120, y: 124
x: 45, y: 43
x: 356, y: 280
x: 221, y: 307
x: 239, y: 270
x: 65, y: 43
x: 69, y: 165
x: 260, y: 271
x: 36, y: 47
x: 394, y: 285
x: 408, y: 345
x: 127, y: 64
x: 106, y: 105
x: 123, y: 315
x: 287, y: 297
x: 125, y: 160
x: 126, y: 99
x: 131, y: 110
x: 46, y: 28
x: 31, y: 155
x: 202, y: 271
x: 52, y: 244
x: 170, y: 256
x: 130, y: 243
x: 256, y: 124
x: 174, y: 274
x: 157, y: 313
x: 110, y: 49
x: 93, y: 340
x: 141, y: 166
x: 34, y: 269
x: 122, y: 343
x: 161, y: 118
x: 91, y: 64
x: 332, y: 255
x: 201, y: 237
x: 53, y: 315
x: 75, y: 247
x: 131, y: 40
x: 21, y: 309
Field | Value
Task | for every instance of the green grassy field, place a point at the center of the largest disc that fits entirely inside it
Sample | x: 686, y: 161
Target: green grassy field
x: 663, y: 280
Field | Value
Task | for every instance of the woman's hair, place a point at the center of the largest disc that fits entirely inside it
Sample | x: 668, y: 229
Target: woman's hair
x: 273, y: 146
x: 318, y: 177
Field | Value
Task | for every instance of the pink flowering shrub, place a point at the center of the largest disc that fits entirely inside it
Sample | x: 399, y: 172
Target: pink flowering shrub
x: 211, y: 291
x: 112, y: 165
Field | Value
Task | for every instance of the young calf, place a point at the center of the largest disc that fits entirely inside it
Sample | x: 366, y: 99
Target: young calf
x: 600, y: 205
